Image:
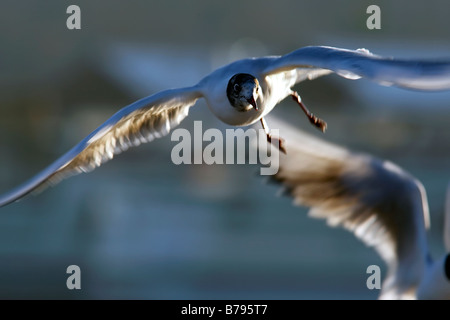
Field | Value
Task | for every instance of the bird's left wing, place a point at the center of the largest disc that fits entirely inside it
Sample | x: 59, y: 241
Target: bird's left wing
x: 355, y: 64
x: 142, y: 121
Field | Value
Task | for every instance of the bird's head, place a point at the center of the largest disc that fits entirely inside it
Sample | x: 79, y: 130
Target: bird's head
x: 242, y: 91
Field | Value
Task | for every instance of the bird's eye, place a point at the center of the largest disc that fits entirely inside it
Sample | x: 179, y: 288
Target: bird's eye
x: 237, y: 87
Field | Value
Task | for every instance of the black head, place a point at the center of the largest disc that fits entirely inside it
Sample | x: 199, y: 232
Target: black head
x: 242, y: 92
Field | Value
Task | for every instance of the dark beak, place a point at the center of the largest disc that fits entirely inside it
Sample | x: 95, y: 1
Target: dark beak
x: 253, y: 103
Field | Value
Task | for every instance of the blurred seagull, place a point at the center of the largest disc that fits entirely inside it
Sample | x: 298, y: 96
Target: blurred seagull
x: 379, y: 202
x: 240, y: 94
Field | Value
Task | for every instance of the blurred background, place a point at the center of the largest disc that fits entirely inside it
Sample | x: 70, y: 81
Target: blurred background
x: 141, y: 227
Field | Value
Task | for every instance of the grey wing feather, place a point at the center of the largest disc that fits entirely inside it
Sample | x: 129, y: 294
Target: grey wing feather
x: 380, y: 203
x: 142, y: 121
x: 355, y: 64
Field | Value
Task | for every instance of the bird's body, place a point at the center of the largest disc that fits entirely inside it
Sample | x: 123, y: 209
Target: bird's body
x: 271, y: 79
x: 275, y: 87
x: 376, y: 200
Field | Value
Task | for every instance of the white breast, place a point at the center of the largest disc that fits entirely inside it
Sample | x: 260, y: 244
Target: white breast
x: 274, y: 88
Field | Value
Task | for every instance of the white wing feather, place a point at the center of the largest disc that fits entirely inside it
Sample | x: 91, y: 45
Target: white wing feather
x: 376, y: 200
x: 355, y: 64
x: 142, y: 121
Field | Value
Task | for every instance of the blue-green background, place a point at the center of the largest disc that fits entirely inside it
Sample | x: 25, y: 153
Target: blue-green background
x: 141, y: 227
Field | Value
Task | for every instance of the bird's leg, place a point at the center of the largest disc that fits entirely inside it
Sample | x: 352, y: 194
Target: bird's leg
x: 270, y: 139
x: 319, y: 123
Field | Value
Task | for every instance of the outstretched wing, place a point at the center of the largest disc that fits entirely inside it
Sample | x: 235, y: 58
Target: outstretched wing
x: 142, y: 121
x: 376, y: 200
x: 355, y: 64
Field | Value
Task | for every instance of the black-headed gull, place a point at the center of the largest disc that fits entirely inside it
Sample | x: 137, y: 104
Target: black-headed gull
x: 240, y: 93
x: 379, y: 202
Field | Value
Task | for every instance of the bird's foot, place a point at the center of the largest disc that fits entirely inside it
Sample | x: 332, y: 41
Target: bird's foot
x: 317, y: 122
x: 277, y: 142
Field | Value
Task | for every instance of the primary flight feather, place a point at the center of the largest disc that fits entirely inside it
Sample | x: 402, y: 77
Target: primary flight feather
x: 379, y: 202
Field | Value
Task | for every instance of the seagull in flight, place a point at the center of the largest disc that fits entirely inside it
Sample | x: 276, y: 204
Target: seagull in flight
x: 240, y: 94
x: 376, y: 200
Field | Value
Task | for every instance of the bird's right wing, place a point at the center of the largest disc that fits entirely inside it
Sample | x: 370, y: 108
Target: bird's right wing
x: 140, y: 122
x: 376, y: 200
x: 355, y: 64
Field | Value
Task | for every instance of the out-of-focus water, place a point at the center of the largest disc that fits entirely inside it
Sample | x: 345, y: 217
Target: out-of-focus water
x: 141, y: 227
